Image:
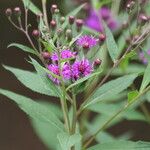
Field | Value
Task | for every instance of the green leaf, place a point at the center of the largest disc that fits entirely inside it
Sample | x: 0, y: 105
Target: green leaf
x: 111, y: 88
x: 31, y: 80
x: 47, y: 82
x: 130, y: 114
x: 24, y: 48
x: 132, y: 95
x: 47, y: 132
x: 146, y: 78
x: 34, y: 109
x: 28, y: 4
x: 67, y: 141
x: 111, y: 44
x: 122, y: 145
x: 83, y: 79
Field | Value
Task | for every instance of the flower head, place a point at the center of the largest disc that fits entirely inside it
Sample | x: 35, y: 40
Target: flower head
x: 66, y: 72
x: 81, y: 68
x: 87, y: 40
x: 143, y: 58
x: 93, y: 21
x: 65, y: 54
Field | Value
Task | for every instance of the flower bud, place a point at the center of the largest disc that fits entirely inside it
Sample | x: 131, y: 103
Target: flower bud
x: 46, y: 55
x: 79, y: 24
x: 142, y: 19
x: 53, y: 8
x: 8, y: 12
x: 86, y: 46
x: 17, y: 11
x: 71, y: 20
x: 102, y: 38
x: 124, y: 24
x: 59, y: 32
x: 53, y: 24
x: 56, y: 11
x: 36, y: 34
x: 69, y: 34
x: 130, y: 6
x: 97, y: 63
x: 62, y: 20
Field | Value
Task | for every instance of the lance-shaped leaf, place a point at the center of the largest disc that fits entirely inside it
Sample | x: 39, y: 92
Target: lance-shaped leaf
x: 31, y: 80
x: 67, y: 141
x: 48, y: 83
x: 34, y: 109
x: 111, y: 88
x: 24, y: 48
x: 47, y: 132
x: 111, y: 44
x: 122, y: 145
x: 28, y: 4
x: 146, y: 78
x: 83, y: 79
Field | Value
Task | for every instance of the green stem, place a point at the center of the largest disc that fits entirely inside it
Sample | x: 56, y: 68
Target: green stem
x: 113, y: 117
x: 74, y: 113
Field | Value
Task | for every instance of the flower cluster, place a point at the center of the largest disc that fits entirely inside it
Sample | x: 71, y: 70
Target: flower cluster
x: 94, y: 20
x: 71, y: 71
x: 143, y: 56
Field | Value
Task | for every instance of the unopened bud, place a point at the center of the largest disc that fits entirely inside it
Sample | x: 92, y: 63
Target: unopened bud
x: 97, y: 63
x: 124, y: 24
x: 102, y: 38
x: 8, y: 12
x: 17, y: 11
x: 143, y: 19
x: 59, y: 32
x: 79, y: 24
x: 46, y: 55
x: 130, y: 6
x: 71, y: 20
x: 56, y: 11
x: 62, y: 20
x: 53, y: 24
x: 86, y: 46
x: 69, y: 34
x: 53, y: 8
x: 36, y: 33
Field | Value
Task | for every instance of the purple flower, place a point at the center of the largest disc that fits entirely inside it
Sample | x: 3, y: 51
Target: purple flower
x: 81, y: 69
x: 148, y: 52
x: 65, y: 54
x: 66, y: 72
x: 54, y: 69
x: 88, y: 41
x: 94, y: 21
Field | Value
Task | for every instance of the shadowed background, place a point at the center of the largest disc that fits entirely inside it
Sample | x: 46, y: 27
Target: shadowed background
x: 16, y: 132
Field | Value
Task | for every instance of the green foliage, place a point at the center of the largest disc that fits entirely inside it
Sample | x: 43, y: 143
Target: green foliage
x: 28, y: 4
x: 146, y: 78
x: 111, y: 88
x: 24, y: 48
x: 84, y: 79
x: 48, y: 83
x: 34, y: 109
x: 47, y: 132
x: 122, y: 145
x: 111, y: 44
x: 31, y: 80
x: 132, y: 95
x: 67, y: 141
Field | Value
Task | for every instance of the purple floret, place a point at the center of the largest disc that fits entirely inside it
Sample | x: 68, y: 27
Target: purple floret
x: 94, y: 20
x: 86, y: 39
x: 81, y: 69
x: 65, y: 54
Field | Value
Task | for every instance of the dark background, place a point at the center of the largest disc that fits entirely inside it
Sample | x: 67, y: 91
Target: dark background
x: 16, y: 132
